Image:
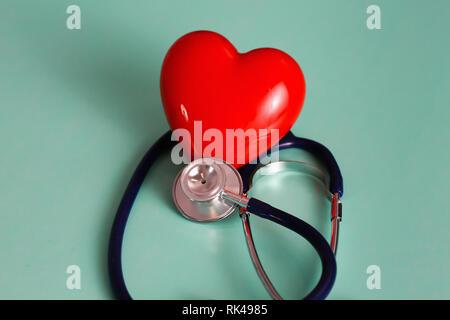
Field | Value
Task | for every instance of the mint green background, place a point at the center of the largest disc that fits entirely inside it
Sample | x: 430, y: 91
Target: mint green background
x: 78, y: 108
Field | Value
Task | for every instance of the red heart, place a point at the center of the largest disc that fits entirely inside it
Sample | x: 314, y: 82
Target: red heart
x: 204, y: 78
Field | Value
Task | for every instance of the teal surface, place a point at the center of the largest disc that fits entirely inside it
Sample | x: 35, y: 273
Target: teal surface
x: 78, y: 108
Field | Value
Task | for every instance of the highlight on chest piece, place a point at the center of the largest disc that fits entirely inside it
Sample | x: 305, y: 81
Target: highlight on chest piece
x: 198, y: 189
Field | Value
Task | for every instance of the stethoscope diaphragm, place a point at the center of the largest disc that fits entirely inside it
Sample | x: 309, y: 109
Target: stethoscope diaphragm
x: 198, y: 188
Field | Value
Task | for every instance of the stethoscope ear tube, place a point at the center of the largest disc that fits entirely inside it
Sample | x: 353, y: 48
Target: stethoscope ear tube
x: 327, y: 257
x: 317, y: 149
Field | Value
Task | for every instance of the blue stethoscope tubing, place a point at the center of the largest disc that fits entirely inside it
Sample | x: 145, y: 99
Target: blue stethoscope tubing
x: 255, y: 206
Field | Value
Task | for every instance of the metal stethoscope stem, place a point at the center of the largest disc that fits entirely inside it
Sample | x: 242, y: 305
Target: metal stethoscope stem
x: 255, y: 258
x: 336, y: 218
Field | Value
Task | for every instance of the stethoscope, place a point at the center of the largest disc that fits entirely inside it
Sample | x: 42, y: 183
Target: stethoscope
x: 209, y: 189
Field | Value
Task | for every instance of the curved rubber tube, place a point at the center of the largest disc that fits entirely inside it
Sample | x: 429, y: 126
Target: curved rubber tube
x: 120, y: 221
x: 315, y: 148
x: 305, y: 230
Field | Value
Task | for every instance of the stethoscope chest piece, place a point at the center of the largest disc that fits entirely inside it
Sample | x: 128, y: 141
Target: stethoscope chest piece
x: 198, y: 187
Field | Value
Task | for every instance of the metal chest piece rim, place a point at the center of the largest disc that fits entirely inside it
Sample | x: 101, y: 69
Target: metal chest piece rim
x: 198, y: 187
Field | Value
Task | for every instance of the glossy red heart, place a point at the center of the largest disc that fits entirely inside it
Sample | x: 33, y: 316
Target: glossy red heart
x: 204, y: 78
